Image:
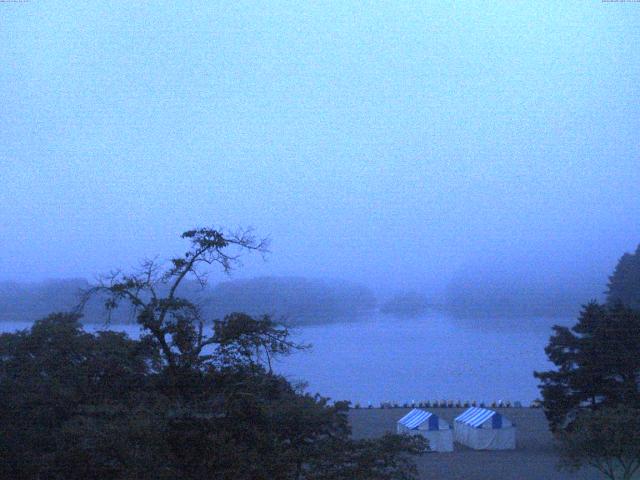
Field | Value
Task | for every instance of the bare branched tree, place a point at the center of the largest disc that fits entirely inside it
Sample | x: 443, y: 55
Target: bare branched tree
x: 175, y: 323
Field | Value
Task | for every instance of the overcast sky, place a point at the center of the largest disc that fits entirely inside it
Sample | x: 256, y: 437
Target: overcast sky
x: 389, y: 143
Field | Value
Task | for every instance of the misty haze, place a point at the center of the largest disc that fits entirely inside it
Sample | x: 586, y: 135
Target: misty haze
x: 214, y: 212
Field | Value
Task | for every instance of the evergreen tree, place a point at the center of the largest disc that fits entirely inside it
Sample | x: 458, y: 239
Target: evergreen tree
x: 624, y: 284
x: 598, y: 364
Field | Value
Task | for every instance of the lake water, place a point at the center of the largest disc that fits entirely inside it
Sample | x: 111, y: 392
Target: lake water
x: 430, y: 358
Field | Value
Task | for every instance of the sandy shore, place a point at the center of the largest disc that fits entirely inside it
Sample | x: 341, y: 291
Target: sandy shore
x: 534, y: 459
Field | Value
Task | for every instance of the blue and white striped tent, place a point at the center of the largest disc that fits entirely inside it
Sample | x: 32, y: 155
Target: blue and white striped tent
x: 430, y: 426
x: 416, y: 418
x: 484, y: 429
x: 476, y: 417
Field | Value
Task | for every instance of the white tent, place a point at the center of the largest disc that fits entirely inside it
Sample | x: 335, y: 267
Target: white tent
x: 430, y: 426
x: 483, y: 429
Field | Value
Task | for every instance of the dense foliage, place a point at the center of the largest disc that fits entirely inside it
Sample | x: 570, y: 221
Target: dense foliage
x: 607, y: 439
x: 58, y: 383
x: 188, y: 400
x: 598, y: 364
x: 75, y: 405
x: 624, y: 283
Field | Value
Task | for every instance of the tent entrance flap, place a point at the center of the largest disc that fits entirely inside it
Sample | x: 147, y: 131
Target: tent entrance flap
x: 496, y: 421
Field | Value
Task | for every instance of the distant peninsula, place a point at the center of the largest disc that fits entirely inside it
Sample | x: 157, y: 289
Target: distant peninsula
x: 291, y: 300
x: 408, y: 304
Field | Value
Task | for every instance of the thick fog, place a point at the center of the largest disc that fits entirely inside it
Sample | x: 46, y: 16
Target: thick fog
x: 403, y: 147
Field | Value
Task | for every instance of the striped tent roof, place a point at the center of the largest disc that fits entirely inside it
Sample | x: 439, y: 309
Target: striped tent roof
x: 415, y: 418
x: 476, y: 416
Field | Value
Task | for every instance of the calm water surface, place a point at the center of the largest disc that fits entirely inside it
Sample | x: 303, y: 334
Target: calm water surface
x: 430, y: 358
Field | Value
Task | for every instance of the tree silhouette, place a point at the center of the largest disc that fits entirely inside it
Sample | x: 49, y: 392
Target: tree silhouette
x: 624, y: 283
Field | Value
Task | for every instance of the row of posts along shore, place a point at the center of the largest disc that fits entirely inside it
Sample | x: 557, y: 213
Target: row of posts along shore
x: 446, y: 404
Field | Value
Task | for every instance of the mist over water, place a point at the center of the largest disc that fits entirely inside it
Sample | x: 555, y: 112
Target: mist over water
x: 403, y: 147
